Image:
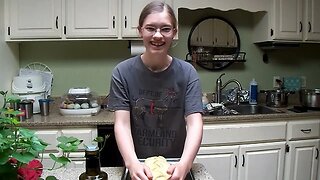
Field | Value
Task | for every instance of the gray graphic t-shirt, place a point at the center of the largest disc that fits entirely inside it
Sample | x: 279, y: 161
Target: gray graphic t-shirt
x: 158, y: 104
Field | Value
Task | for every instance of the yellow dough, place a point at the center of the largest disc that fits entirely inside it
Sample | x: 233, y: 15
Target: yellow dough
x: 158, y: 166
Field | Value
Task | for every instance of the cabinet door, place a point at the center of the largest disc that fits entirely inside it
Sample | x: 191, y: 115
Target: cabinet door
x: 95, y: 18
x: 34, y: 19
x: 221, y: 162
x: 262, y: 161
x: 49, y: 136
x: 287, y: 20
x: 302, y: 160
x: 312, y: 20
x: 85, y: 134
x: 131, y: 10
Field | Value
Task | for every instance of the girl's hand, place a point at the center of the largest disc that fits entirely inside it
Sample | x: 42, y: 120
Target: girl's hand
x: 178, y: 171
x: 139, y: 171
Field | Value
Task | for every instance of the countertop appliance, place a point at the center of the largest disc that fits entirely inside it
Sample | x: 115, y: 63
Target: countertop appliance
x: 30, y: 87
x: 79, y: 101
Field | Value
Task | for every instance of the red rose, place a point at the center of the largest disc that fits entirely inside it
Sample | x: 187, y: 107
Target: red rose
x: 31, y: 171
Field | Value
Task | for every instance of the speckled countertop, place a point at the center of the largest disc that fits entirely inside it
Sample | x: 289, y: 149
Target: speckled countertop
x: 115, y: 173
x: 105, y: 117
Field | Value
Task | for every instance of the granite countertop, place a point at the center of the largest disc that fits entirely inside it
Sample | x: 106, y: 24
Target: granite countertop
x: 105, y: 117
x: 115, y: 173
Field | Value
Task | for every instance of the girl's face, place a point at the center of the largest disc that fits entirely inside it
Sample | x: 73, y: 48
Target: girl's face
x: 157, y: 32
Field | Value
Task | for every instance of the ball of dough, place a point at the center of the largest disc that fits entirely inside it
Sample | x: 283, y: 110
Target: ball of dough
x: 158, y: 166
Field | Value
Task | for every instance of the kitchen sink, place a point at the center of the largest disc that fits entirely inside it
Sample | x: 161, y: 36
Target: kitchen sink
x: 247, y: 109
x: 242, y: 109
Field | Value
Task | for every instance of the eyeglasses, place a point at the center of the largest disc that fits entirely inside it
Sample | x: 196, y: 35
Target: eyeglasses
x: 165, y: 30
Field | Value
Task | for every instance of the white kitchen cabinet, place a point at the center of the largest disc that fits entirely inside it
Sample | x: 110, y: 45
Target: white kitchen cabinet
x: 289, y: 20
x: 74, y: 19
x: 91, y: 19
x: 130, y: 16
x: 263, y: 161
x: 50, y: 136
x: 243, y: 151
x: 60, y: 19
x: 244, y: 162
x: 221, y: 161
x: 312, y: 20
x: 302, y: 160
x: 303, y: 150
x: 34, y: 18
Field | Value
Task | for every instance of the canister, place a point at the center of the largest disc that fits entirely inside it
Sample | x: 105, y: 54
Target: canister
x: 27, y: 106
x: 44, y: 106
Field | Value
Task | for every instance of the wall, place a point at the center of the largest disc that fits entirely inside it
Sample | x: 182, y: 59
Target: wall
x: 89, y: 63
x: 9, y: 60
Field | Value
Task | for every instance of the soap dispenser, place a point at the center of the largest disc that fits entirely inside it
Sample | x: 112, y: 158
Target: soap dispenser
x: 253, y: 90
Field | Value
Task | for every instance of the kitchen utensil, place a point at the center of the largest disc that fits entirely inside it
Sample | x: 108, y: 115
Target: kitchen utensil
x: 44, y: 106
x: 310, y: 98
x: 276, y: 98
x: 26, y: 105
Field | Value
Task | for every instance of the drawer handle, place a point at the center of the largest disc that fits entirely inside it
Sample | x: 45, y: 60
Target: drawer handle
x: 307, y: 131
x: 317, y: 155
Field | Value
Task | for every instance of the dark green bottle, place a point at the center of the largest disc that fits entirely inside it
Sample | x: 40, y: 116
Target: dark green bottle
x: 93, y: 170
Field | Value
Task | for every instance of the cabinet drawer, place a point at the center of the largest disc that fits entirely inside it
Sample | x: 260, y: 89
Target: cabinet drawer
x: 303, y: 129
x: 243, y: 132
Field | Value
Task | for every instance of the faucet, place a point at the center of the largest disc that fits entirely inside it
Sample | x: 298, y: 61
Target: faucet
x: 220, y: 87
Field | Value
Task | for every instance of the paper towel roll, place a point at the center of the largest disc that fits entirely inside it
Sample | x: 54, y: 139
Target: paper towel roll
x: 136, y: 48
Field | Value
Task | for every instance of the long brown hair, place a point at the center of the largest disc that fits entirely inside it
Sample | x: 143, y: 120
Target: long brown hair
x: 157, y: 6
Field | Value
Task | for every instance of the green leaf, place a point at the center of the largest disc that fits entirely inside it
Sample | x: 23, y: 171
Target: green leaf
x: 99, y: 139
x: 27, y: 133
x: 64, y: 139
x: 4, y: 157
x: 43, y: 142
x: 53, y: 157
x: 63, y: 160
x: 51, y: 178
x: 23, y: 157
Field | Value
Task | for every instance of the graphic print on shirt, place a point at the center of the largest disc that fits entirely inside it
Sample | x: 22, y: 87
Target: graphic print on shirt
x: 150, y: 116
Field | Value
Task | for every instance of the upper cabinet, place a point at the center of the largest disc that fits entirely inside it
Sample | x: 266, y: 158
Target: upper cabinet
x: 289, y: 20
x: 312, y: 20
x: 130, y: 16
x: 73, y: 19
x: 94, y: 18
x: 58, y: 19
x: 34, y: 18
